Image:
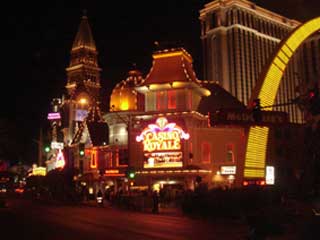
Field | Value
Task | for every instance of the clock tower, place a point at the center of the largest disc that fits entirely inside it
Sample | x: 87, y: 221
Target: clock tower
x: 83, y: 82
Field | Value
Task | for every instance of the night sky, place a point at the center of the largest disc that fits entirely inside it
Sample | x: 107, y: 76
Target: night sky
x: 37, y: 38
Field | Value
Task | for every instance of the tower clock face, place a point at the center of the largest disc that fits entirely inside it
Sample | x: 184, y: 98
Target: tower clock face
x: 81, y: 114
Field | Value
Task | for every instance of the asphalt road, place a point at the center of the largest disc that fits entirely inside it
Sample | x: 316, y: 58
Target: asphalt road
x: 27, y: 220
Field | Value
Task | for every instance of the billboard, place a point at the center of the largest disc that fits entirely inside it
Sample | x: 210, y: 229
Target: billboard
x: 162, y: 144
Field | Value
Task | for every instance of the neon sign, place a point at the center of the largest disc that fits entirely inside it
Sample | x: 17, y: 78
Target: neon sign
x: 60, y: 160
x: 162, y: 136
x: 54, y: 116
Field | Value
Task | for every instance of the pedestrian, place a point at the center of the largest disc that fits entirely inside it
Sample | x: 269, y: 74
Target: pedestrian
x: 100, y: 198
x: 155, y: 199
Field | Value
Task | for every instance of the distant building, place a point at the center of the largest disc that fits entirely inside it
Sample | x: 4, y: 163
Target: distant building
x: 239, y: 38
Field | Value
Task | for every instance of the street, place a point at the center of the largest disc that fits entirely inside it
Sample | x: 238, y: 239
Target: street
x: 24, y: 219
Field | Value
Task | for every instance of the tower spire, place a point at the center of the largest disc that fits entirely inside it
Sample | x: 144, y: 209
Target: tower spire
x: 84, y: 35
x: 83, y: 71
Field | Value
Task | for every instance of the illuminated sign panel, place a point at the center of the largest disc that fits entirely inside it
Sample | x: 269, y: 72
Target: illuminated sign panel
x: 39, y: 171
x: 113, y: 173
x: 54, y: 116
x: 270, y: 175
x: 162, y: 144
x: 57, y: 145
x: 227, y: 170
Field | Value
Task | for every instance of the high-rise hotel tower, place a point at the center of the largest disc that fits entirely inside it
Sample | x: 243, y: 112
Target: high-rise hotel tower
x: 238, y: 39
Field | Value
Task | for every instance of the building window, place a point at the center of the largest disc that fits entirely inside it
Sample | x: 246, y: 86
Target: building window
x: 116, y: 155
x: 213, y: 20
x: 230, y: 153
x: 108, y: 159
x: 205, y: 152
x: 172, y: 99
x: 93, y: 160
x: 123, y: 157
x: 190, y: 153
x: 161, y: 101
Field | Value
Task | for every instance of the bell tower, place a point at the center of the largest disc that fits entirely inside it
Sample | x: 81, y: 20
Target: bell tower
x: 83, y: 82
x: 83, y: 72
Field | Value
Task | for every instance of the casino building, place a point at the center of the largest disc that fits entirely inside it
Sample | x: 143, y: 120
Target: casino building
x: 168, y: 128
x: 171, y: 125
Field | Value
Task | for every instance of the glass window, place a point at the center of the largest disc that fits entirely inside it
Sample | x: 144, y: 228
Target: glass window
x: 123, y: 157
x: 172, y: 99
x: 161, y: 100
x: 205, y: 152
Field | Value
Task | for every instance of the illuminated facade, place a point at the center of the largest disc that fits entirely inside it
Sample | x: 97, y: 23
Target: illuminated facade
x: 172, y: 139
x: 167, y: 141
x: 238, y: 40
x: 266, y: 90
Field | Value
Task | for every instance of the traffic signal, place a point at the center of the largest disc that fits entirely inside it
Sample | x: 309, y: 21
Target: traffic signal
x: 47, y: 148
x: 314, y: 100
x: 256, y: 110
x: 81, y: 149
x: 131, y: 173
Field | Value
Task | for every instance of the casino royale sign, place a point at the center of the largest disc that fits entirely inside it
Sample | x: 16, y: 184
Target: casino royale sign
x: 162, y: 136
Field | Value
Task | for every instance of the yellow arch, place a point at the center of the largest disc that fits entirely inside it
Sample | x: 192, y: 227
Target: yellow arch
x: 266, y: 90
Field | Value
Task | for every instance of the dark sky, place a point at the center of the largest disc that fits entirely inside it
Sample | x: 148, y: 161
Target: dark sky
x: 37, y: 38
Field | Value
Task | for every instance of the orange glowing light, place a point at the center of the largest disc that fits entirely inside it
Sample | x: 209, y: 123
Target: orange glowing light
x: 124, y: 105
x: 162, y: 136
x: 83, y: 101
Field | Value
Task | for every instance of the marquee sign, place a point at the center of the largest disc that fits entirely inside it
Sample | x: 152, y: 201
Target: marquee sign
x: 39, y: 171
x: 162, y: 144
x: 162, y: 136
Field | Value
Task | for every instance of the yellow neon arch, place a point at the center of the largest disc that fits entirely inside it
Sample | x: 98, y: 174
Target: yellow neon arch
x: 266, y: 89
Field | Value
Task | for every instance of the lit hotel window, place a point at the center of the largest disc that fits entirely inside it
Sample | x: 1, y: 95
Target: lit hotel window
x: 205, y: 152
x: 172, y: 101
